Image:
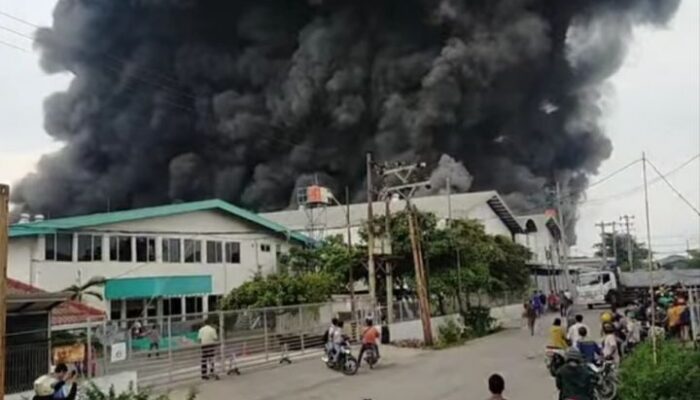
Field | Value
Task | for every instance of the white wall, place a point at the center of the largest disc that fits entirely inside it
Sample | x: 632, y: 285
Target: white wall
x: 492, y: 223
x: 413, y: 330
x: 26, y: 254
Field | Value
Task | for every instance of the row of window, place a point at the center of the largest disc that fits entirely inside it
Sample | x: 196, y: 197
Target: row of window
x: 139, y: 308
x: 59, y: 247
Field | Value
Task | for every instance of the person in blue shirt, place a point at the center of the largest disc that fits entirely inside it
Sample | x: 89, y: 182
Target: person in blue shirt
x: 588, y: 348
x: 537, y: 303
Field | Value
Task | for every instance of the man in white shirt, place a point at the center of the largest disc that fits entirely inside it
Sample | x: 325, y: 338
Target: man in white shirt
x: 207, y: 338
x: 573, y: 335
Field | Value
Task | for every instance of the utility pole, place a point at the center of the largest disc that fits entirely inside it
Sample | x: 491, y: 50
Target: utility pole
x: 370, y: 234
x: 406, y: 188
x: 630, y: 254
x: 4, y: 224
x: 351, y: 278
x: 649, y: 256
x: 603, y: 245
x: 564, y: 239
x: 614, y: 240
x: 388, y: 267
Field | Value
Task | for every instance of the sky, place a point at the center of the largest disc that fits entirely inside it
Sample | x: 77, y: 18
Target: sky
x: 651, y: 105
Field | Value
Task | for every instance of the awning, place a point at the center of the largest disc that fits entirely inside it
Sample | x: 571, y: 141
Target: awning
x: 162, y: 286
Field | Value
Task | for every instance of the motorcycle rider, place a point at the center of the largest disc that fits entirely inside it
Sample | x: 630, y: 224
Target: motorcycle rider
x: 370, y: 338
x: 589, y: 349
x: 328, y: 338
x: 610, y: 345
x: 557, y: 337
x: 338, y: 339
x: 574, y: 379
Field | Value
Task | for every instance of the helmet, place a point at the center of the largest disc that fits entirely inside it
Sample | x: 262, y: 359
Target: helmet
x: 606, y: 317
x: 43, y: 385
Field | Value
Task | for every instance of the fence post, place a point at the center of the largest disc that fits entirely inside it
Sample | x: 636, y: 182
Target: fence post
x: 267, y: 353
x: 301, y: 328
x: 170, y: 348
x: 222, y: 333
x: 88, y: 363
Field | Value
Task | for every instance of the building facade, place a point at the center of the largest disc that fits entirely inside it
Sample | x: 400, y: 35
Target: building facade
x: 542, y: 235
x: 156, y: 261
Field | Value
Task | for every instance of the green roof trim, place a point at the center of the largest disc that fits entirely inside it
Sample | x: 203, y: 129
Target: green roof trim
x: 71, y: 223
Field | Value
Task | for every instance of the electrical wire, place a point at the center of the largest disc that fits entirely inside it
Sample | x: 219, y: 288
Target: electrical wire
x: 12, y: 46
x: 673, y: 188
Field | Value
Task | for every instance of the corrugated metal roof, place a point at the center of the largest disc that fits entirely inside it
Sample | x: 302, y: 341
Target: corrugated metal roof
x: 66, y: 313
x: 462, y: 204
x: 82, y: 221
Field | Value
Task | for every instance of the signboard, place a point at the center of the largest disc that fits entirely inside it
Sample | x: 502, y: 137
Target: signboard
x: 118, y: 352
x: 69, y: 354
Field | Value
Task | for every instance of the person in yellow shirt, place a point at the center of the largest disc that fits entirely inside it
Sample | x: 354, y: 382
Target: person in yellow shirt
x: 674, y: 317
x: 557, y: 337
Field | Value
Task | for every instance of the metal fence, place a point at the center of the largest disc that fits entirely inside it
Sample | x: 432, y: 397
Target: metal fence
x: 694, y: 305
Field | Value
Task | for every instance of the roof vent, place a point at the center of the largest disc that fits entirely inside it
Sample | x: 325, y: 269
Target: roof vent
x: 24, y: 218
x: 39, y: 218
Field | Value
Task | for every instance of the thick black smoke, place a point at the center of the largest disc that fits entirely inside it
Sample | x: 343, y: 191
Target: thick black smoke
x: 242, y: 100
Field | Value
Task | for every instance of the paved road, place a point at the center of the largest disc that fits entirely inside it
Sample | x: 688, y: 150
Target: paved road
x: 457, y: 373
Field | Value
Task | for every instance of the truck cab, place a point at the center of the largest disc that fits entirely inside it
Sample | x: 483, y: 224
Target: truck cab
x: 593, y: 288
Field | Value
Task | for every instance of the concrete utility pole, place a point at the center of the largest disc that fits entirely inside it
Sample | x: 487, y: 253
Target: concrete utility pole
x: 649, y: 256
x: 630, y: 253
x: 406, y: 188
x: 388, y: 267
x: 4, y: 224
x: 351, y: 278
x: 614, y: 240
x: 564, y: 239
x: 370, y: 234
x: 603, y: 245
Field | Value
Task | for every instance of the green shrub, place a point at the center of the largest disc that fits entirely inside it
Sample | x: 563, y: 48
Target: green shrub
x: 450, y: 333
x: 92, y: 392
x: 676, y: 376
x: 479, y: 320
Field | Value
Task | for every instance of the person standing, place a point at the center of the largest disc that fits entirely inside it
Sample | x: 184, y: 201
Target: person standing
x: 610, y: 346
x: 543, y: 301
x: 207, y: 338
x: 154, y: 341
x: 574, y: 379
x: 572, y: 334
x: 674, y: 317
x: 496, y: 386
x: 537, y: 303
x: 530, y: 315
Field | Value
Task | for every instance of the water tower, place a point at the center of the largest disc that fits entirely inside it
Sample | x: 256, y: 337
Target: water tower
x: 314, y: 200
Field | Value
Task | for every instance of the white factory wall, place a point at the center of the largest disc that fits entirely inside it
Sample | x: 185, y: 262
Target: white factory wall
x: 29, y: 266
x: 492, y: 223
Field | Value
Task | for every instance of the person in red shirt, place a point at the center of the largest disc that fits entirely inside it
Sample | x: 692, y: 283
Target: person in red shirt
x: 370, y: 338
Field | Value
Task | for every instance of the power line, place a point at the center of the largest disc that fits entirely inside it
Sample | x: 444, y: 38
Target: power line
x: 18, y: 19
x: 18, y: 33
x: 12, y: 46
x: 673, y: 188
x: 611, y: 175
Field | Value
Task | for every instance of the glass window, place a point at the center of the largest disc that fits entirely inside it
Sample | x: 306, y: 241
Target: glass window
x: 214, y: 301
x: 233, y: 252
x: 606, y: 278
x: 145, y: 249
x: 64, y: 247
x: 193, y: 251
x: 115, y: 310
x: 172, y: 306
x: 171, y: 250
x: 265, y: 248
x: 120, y: 249
x: 134, y: 309
x: 214, y: 252
x: 193, y: 305
x: 89, y: 248
x: 49, y: 247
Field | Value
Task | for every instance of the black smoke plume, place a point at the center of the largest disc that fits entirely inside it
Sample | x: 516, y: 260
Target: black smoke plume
x: 240, y: 100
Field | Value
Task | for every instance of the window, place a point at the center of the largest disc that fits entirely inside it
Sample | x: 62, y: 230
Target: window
x: 115, y: 310
x: 193, y: 251
x: 145, y: 249
x: 214, y: 252
x: 214, y: 301
x: 120, y: 248
x: 193, y: 305
x: 134, y: 309
x: 606, y: 278
x: 171, y: 250
x: 49, y: 247
x: 265, y: 248
x: 59, y: 247
x: 172, y: 306
x: 89, y: 247
x: 233, y: 252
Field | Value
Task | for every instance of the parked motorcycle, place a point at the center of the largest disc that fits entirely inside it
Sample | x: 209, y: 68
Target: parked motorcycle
x: 554, y: 359
x: 607, y: 385
x: 345, y: 362
x: 369, y: 355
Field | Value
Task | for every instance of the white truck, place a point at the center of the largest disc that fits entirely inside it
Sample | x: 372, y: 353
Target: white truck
x: 610, y: 286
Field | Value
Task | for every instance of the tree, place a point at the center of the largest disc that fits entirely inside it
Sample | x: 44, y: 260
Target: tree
x: 639, y: 252
x: 694, y: 261
x: 281, y: 289
x: 78, y: 292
